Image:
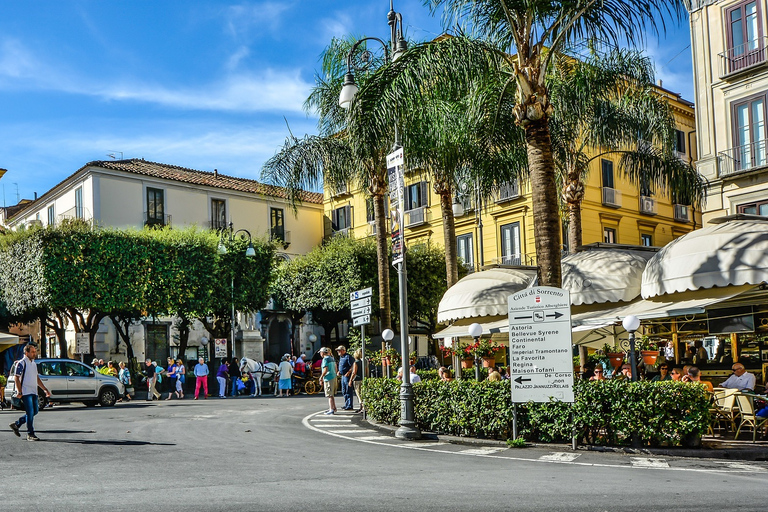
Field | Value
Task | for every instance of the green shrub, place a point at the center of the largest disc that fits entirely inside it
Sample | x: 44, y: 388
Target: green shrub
x: 605, y: 412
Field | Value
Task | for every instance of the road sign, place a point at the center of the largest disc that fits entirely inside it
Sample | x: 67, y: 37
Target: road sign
x: 365, y: 310
x: 359, y: 294
x: 540, y: 361
x: 220, y: 347
x: 361, y: 320
x: 359, y: 303
x: 82, y: 343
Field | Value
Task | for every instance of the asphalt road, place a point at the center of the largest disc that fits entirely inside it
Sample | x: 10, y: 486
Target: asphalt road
x: 279, y: 454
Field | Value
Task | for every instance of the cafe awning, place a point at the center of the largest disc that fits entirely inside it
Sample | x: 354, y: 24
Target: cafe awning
x: 460, y: 329
x: 7, y: 340
x: 731, y: 252
x: 600, y: 274
x: 483, y: 294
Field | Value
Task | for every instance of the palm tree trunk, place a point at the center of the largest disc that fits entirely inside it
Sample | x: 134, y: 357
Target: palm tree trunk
x: 382, y: 252
x: 449, y: 237
x: 574, y: 225
x: 546, y: 218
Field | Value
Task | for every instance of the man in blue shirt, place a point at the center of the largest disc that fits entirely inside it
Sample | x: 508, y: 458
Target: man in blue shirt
x: 201, y: 374
x: 345, y: 369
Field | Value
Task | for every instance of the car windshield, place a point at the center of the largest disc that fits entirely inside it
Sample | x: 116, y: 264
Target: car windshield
x: 50, y: 368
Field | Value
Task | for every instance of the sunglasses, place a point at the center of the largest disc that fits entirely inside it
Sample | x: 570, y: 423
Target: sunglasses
x: 598, y: 371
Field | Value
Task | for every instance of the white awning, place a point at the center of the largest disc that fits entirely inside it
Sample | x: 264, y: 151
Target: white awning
x: 491, y: 326
x: 733, y: 252
x: 690, y: 303
x: 483, y: 294
x: 600, y: 275
x: 7, y: 340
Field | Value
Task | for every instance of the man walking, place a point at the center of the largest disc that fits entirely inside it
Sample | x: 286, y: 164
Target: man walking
x: 27, y: 382
x: 201, y: 377
x: 150, y: 373
x: 345, y: 369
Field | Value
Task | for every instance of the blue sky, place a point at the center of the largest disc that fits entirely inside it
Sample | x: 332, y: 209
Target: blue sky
x: 198, y: 83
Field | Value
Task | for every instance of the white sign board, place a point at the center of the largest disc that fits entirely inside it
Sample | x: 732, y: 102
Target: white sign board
x: 82, y: 343
x: 220, y: 347
x: 359, y: 294
x: 359, y: 303
x: 361, y: 320
x: 540, y: 360
x: 365, y: 310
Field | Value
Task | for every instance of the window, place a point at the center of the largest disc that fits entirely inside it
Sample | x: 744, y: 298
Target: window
x: 646, y: 240
x: 341, y: 218
x: 50, y: 368
x: 743, y: 29
x: 465, y: 250
x: 277, y: 224
x: 749, y: 133
x: 609, y: 235
x: 155, y: 206
x: 79, y: 203
x: 680, y: 141
x: 51, y: 215
x: 370, y: 215
x: 76, y: 369
x: 645, y: 186
x: 416, y: 195
x: 218, y: 214
x: 510, y: 244
x: 756, y: 208
x: 607, y: 168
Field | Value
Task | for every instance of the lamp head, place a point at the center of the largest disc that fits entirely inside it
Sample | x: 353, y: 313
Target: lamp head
x: 348, y: 91
x: 312, y: 338
x: 457, y: 208
x: 203, y: 341
x: 388, y: 334
x: 630, y: 323
x: 475, y: 330
x: 250, y: 252
x: 222, y: 249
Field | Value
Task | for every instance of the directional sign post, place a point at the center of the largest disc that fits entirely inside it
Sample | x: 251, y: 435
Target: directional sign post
x: 360, y: 309
x: 540, y: 361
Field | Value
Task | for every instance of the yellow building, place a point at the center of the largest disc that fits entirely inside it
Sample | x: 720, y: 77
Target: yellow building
x: 613, y: 210
x: 730, y: 65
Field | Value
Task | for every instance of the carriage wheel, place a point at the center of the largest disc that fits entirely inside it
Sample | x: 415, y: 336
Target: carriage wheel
x: 297, y: 387
x: 310, y: 387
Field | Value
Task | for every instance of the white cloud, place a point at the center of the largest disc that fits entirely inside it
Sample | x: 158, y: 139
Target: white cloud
x: 244, y: 19
x: 338, y: 27
x: 268, y: 90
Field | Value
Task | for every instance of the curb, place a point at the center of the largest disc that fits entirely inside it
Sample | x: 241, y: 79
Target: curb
x: 746, y: 453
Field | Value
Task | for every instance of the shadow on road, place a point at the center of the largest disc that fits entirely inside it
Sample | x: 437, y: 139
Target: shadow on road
x: 107, y: 442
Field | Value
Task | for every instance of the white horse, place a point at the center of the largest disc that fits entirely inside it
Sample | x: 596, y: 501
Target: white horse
x: 257, y: 371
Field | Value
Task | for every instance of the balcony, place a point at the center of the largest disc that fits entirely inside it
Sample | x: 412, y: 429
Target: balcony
x: 508, y: 191
x: 742, y: 159
x: 743, y: 58
x: 76, y: 213
x: 341, y: 232
x: 611, y: 197
x: 682, y: 213
x: 216, y: 225
x: 280, y: 235
x: 416, y: 217
x: 340, y: 190
x: 648, y: 205
x: 156, y: 220
x: 515, y: 260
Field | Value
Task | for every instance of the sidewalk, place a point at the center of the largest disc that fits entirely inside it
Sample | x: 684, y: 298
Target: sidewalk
x: 712, y: 448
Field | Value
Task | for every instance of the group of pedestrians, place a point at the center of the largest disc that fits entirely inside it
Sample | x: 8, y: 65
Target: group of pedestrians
x: 351, y: 372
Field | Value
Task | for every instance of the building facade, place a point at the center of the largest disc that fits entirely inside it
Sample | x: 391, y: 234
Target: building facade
x: 730, y: 66
x: 500, y: 230
x: 136, y: 193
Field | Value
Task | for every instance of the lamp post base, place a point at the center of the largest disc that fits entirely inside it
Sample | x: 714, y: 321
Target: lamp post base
x: 407, y: 430
x: 408, y: 433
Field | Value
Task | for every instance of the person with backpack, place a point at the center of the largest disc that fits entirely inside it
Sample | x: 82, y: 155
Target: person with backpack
x: 27, y: 382
x: 328, y: 378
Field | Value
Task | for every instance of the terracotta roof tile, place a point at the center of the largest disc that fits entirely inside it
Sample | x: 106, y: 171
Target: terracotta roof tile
x: 209, y: 179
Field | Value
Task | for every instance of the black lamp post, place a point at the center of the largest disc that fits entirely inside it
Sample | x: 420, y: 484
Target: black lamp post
x: 249, y: 252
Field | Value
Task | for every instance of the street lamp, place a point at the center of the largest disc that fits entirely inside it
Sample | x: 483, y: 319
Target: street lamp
x: 631, y: 323
x: 388, y: 335
x: 397, y: 47
x: 476, y: 330
x: 250, y: 252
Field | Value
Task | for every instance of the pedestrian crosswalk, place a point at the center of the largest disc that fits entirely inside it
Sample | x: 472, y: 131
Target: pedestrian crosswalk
x: 354, y: 428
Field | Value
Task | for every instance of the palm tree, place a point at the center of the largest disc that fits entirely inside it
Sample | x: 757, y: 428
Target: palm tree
x: 334, y: 158
x: 518, y: 43
x: 608, y: 103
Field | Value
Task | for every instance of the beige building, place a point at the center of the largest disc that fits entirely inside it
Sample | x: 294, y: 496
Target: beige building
x: 730, y: 66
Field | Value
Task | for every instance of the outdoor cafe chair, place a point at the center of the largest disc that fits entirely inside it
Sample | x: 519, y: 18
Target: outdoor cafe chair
x: 724, y: 407
x: 748, y: 417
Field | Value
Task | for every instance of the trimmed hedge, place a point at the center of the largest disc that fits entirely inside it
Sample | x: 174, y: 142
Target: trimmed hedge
x: 605, y: 412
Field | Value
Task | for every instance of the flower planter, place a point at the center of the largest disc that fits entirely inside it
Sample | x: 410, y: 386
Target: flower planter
x: 467, y: 363
x: 650, y: 356
x: 384, y: 361
x: 489, y: 362
x: 616, y: 358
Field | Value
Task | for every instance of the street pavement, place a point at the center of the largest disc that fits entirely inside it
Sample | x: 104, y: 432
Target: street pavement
x: 279, y: 454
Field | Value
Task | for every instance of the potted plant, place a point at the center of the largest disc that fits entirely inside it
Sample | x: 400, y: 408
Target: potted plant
x: 482, y: 349
x: 615, y: 358
x: 649, y: 350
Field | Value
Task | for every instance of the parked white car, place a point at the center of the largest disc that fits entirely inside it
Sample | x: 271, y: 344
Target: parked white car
x: 72, y: 381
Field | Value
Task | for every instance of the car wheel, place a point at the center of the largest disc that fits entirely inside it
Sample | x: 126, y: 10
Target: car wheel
x: 42, y: 400
x: 91, y: 403
x: 108, y: 397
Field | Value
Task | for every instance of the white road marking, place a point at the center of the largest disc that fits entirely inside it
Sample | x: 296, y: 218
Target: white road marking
x: 645, y: 462
x: 435, y: 445
x: 386, y: 441
x: 485, y: 450
x: 742, y: 467
x: 356, y: 431
x: 331, y: 420
x: 560, y: 457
